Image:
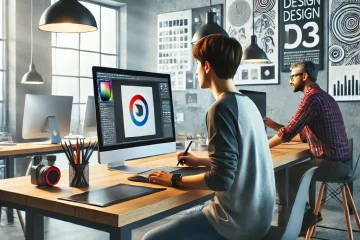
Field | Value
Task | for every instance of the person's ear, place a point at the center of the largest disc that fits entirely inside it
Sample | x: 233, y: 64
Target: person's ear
x: 305, y: 76
x: 207, y: 67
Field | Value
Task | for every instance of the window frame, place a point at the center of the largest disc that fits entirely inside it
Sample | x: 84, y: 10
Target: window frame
x: 3, y: 42
x: 78, y: 50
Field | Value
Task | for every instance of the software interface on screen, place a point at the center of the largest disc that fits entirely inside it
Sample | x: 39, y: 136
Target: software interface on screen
x: 133, y: 109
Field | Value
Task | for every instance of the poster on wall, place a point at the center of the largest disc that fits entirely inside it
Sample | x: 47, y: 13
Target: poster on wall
x: 344, y: 50
x: 239, y: 25
x: 174, y: 46
x: 301, y: 32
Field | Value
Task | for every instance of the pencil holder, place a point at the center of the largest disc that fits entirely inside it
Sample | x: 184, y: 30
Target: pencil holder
x: 79, y: 175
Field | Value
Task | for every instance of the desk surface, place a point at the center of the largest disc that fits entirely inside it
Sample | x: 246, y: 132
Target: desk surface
x: 20, y: 191
x: 32, y: 148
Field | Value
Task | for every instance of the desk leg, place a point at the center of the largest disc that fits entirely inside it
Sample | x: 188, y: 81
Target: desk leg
x: 34, y: 229
x: 123, y: 233
x: 10, y: 168
x: 286, y: 187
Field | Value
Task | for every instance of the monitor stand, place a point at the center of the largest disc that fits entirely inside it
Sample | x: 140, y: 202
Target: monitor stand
x: 120, y: 166
x: 54, y: 130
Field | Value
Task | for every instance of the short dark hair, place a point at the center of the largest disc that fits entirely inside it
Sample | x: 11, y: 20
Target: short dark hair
x: 308, y: 67
x: 223, y: 53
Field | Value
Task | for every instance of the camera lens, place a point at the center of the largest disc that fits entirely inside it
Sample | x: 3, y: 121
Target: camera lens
x: 48, y: 175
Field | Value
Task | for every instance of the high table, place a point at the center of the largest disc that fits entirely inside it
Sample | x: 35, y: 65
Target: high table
x: 118, y: 219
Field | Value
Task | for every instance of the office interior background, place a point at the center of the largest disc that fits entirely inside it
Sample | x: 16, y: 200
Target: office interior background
x: 127, y: 38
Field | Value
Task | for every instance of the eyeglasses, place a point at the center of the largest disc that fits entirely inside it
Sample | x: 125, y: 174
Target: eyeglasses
x: 295, y: 75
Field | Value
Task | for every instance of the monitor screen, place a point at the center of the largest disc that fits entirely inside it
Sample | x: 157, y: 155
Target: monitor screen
x: 259, y: 98
x: 133, y: 108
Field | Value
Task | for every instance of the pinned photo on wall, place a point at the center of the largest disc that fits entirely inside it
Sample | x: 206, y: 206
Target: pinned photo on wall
x: 190, y: 81
x: 267, y: 72
x: 179, y: 116
x: 191, y: 98
x: 245, y: 74
x: 254, y: 73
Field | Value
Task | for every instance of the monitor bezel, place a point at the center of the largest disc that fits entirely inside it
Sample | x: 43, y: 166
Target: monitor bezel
x: 117, y: 146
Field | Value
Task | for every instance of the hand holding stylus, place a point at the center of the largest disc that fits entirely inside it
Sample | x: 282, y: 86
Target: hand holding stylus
x: 186, y: 158
x: 186, y: 150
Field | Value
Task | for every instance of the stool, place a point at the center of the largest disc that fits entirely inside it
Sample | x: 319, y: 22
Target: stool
x: 346, y: 199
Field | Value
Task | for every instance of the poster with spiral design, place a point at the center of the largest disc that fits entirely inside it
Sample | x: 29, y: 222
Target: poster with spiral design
x: 344, y: 50
x: 239, y: 25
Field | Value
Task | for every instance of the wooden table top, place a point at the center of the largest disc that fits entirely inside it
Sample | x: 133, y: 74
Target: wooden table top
x: 21, y: 191
x: 32, y: 147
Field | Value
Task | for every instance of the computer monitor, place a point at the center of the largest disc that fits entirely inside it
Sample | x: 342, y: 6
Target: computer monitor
x: 259, y: 98
x: 47, y: 116
x: 135, y: 115
x: 89, y: 126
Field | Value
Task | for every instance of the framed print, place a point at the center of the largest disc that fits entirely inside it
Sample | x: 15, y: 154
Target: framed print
x: 344, y: 50
x: 239, y: 25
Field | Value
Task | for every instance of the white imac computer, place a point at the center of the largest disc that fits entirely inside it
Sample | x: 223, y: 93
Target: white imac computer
x: 135, y: 116
x: 46, y: 116
x: 89, y: 125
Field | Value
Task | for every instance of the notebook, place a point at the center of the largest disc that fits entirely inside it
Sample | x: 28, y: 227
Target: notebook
x: 112, y: 195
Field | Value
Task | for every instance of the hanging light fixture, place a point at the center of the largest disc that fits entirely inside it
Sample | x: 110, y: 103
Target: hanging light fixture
x: 210, y: 27
x: 32, y: 77
x: 67, y: 16
x: 253, y: 53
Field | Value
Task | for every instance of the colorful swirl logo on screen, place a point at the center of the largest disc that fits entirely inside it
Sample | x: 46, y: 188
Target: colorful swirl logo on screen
x: 138, y: 110
x: 105, y: 91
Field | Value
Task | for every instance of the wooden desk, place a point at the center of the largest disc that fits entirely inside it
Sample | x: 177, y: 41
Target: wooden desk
x: 118, y: 219
x: 9, y: 153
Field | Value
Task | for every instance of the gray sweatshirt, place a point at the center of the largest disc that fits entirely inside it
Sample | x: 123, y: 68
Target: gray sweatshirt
x: 242, y: 173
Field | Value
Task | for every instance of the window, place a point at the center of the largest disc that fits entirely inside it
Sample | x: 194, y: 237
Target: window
x: 74, y: 54
x: 2, y: 65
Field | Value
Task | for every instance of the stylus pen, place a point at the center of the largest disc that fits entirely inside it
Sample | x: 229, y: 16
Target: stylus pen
x: 186, y: 150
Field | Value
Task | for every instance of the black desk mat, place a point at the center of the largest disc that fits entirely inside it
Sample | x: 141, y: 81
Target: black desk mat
x: 112, y: 195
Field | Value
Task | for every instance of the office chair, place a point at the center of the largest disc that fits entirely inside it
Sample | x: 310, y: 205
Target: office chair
x: 346, y: 199
x: 293, y: 227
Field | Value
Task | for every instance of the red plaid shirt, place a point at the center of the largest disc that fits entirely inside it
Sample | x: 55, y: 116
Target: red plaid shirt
x: 320, y: 123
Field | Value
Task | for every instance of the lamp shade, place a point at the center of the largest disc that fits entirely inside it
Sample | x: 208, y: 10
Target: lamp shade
x: 254, y: 54
x: 210, y: 27
x: 67, y: 16
x: 32, y: 76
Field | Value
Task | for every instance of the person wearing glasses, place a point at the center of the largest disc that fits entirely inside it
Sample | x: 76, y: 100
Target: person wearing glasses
x: 317, y: 121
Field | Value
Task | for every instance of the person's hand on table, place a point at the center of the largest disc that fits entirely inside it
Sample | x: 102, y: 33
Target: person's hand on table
x: 269, y: 122
x: 161, y: 178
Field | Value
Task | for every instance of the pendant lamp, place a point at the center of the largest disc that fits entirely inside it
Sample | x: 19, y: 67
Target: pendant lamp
x: 67, y: 16
x: 253, y: 53
x: 32, y: 77
x: 210, y: 27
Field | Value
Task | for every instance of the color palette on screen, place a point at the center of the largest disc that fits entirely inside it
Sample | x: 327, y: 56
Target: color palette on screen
x: 105, y: 91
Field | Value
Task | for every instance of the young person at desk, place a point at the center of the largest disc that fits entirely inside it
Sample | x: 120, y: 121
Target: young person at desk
x: 241, y: 172
x: 319, y: 122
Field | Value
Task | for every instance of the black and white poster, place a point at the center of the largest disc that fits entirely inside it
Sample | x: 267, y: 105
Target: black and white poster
x: 344, y: 50
x: 301, y: 32
x: 174, y: 46
x: 239, y: 25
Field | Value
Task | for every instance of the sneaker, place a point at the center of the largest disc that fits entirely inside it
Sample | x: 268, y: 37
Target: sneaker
x: 310, y: 219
